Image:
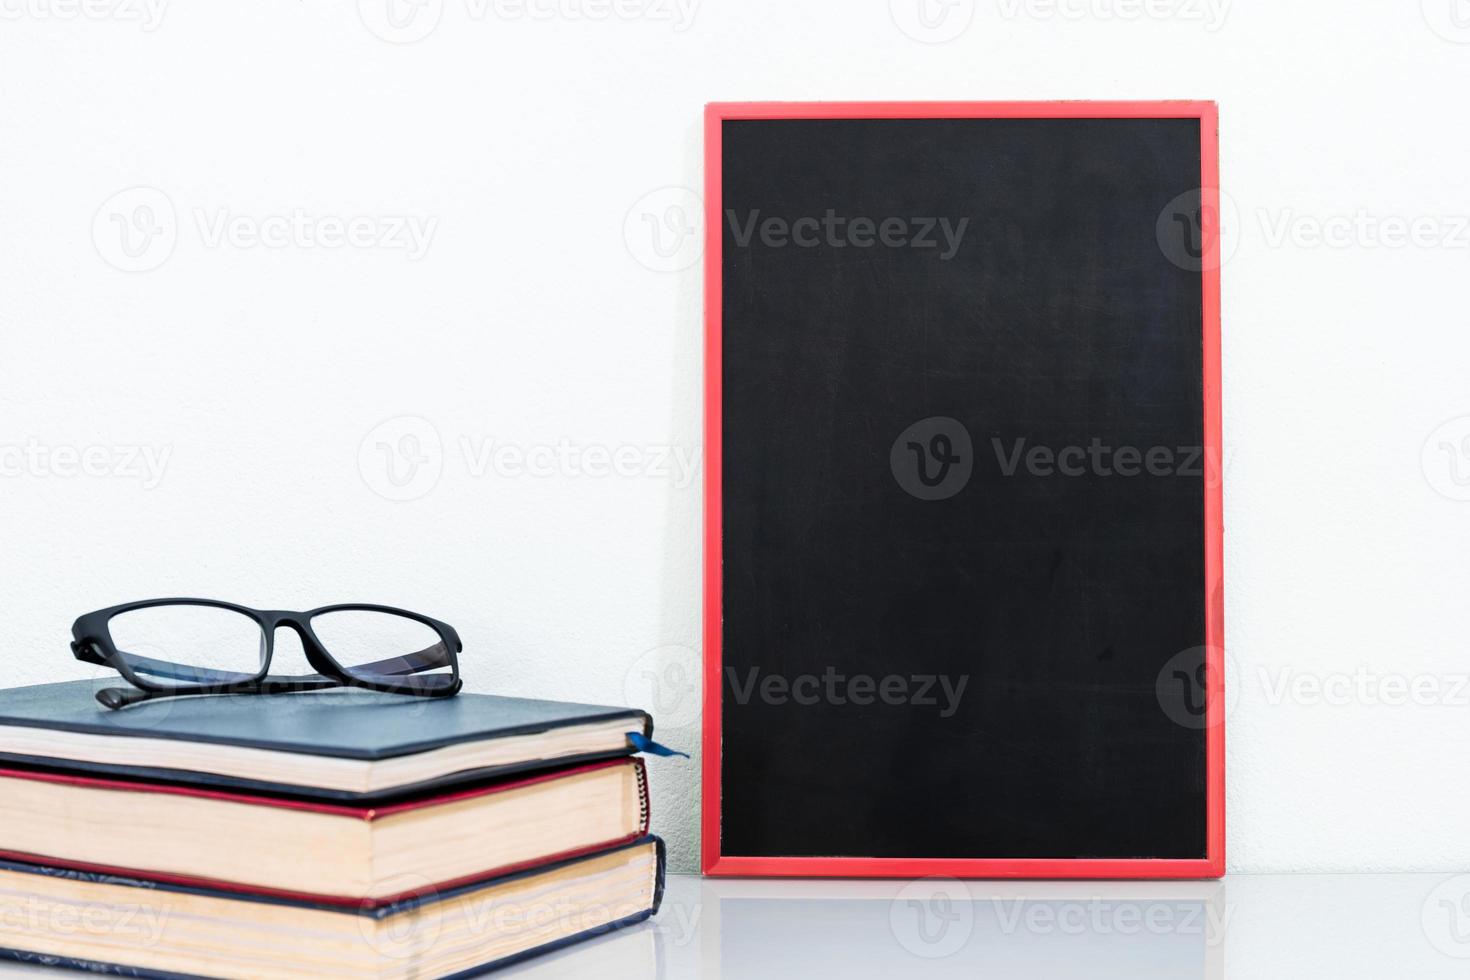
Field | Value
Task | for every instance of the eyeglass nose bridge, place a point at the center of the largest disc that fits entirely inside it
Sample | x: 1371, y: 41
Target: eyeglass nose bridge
x: 311, y: 647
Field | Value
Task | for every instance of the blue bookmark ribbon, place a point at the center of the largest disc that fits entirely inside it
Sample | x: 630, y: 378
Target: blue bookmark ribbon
x: 643, y: 743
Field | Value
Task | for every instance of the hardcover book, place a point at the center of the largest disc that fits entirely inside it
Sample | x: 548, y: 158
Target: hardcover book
x: 332, y: 853
x: 345, y: 745
x: 144, y: 929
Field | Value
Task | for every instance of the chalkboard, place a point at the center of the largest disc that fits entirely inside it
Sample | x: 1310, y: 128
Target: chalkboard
x: 963, y: 600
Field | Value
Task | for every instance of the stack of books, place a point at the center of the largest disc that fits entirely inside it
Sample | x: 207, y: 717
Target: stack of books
x: 333, y: 834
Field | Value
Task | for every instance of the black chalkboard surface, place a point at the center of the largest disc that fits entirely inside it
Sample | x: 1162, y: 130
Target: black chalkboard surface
x: 963, y: 570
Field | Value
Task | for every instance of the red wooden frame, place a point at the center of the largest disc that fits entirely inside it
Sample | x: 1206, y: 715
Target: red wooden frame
x: 716, y: 863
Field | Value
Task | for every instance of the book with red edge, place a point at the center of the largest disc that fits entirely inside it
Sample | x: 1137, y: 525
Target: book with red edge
x: 334, y: 853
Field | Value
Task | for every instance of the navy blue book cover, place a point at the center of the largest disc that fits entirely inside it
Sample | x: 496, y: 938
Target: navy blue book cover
x: 340, y: 724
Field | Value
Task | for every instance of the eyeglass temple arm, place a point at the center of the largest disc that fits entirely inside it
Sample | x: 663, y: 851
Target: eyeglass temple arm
x: 114, y: 697
x: 89, y: 652
x: 185, y: 672
x: 429, y: 658
x: 121, y: 697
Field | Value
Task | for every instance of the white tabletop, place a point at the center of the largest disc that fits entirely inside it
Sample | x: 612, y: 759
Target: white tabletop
x: 1290, y: 926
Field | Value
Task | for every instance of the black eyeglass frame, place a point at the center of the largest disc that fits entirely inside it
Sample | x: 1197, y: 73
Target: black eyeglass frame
x: 92, y: 643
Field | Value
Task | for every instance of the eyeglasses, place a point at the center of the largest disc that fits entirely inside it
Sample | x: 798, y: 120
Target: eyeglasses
x: 175, y: 647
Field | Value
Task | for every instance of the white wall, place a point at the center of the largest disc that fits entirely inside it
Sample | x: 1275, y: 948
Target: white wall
x: 523, y: 149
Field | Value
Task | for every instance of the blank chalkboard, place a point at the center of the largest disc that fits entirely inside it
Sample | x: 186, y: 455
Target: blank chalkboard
x: 962, y: 609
